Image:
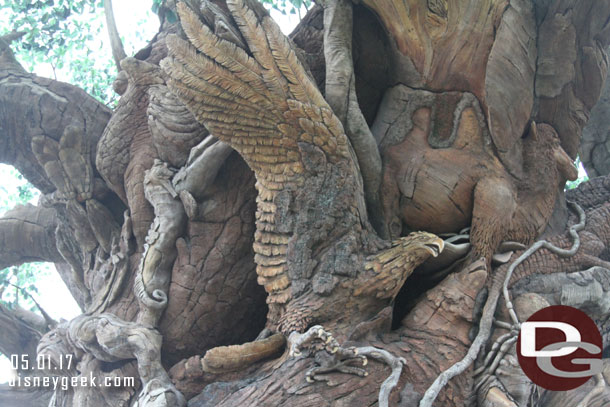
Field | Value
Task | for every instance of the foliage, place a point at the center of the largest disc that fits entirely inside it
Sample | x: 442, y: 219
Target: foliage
x: 159, y: 9
x: 66, y: 34
x: 289, y: 6
x: 19, y: 284
x: 582, y: 176
x: 15, y: 189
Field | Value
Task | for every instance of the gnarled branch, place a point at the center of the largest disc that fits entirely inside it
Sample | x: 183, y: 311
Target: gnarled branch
x: 118, y: 52
x: 27, y: 234
x: 32, y: 106
x: 17, y: 336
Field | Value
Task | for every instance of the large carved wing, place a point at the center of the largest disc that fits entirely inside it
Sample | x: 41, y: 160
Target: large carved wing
x: 259, y: 100
x: 263, y: 103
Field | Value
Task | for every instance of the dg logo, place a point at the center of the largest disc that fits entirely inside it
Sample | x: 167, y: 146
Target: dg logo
x: 560, y: 348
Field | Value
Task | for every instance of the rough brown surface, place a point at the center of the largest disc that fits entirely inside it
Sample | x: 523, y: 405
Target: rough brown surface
x: 442, y: 174
x: 251, y: 214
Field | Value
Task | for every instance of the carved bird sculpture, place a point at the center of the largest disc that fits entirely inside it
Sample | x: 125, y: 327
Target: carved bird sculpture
x: 314, y: 246
x: 445, y: 182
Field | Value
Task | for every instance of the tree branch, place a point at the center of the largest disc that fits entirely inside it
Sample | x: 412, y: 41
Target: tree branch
x: 31, y: 317
x: 31, y: 106
x: 341, y: 96
x: 118, y: 52
x: 16, y: 336
x: 27, y: 397
x: 27, y: 234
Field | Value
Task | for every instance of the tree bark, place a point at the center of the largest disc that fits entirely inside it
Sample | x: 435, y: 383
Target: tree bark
x: 242, y: 224
x: 28, y: 235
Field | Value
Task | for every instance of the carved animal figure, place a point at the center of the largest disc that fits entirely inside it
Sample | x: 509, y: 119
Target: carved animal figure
x: 125, y: 149
x: 262, y: 102
x: 148, y: 123
x: 428, y: 186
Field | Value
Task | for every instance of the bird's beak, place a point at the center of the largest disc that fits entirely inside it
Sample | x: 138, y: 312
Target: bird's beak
x: 435, y: 247
x: 565, y: 165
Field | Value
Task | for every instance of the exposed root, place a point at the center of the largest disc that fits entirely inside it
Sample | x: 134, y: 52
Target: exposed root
x: 489, y: 310
x: 343, y: 358
x: 496, y: 348
x: 574, y: 229
x: 597, y: 390
x: 461, y: 366
x: 498, y: 351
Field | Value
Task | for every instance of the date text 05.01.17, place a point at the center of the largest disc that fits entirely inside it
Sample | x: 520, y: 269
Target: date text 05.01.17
x: 42, y: 362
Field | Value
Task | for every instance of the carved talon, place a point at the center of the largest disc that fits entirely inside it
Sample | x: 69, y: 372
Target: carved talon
x: 315, y: 374
x: 498, y: 350
x: 342, y: 358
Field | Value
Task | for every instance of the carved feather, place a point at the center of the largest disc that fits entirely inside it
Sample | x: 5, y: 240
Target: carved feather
x: 74, y: 154
x: 389, y: 269
x: 249, y: 101
x: 46, y: 151
x: 257, y: 41
x: 300, y: 84
x: 225, y: 53
x: 102, y: 223
x: 262, y: 102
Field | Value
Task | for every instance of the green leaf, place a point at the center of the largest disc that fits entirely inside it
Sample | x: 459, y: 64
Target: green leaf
x: 170, y: 16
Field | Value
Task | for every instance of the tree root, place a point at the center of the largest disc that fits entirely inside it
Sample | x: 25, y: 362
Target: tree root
x: 489, y: 310
x: 574, y: 229
x: 342, y: 358
x: 597, y: 390
x: 499, y: 349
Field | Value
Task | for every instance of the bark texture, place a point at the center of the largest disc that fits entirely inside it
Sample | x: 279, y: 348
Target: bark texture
x: 313, y: 219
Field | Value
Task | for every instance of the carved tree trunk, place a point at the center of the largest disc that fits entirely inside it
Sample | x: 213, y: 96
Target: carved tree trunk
x: 253, y: 222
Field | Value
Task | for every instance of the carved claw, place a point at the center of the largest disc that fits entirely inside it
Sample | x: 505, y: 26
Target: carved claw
x: 316, y: 373
x: 318, y: 334
x: 342, y: 359
x: 498, y: 351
